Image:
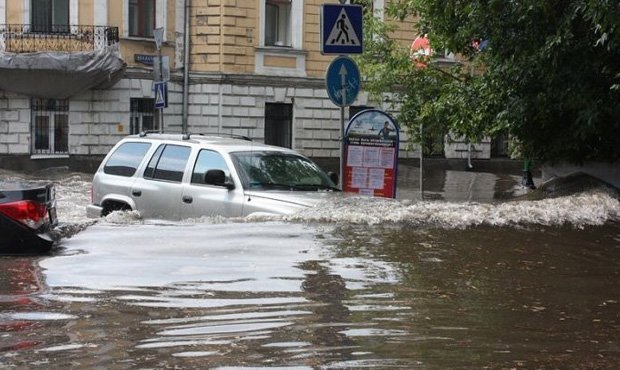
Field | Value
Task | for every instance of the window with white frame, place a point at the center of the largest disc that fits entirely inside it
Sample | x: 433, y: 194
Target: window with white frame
x: 281, y: 34
x: 141, y: 18
x: 281, y: 23
x: 366, y: 4
x: 50, y: 126
x: 49, y: 16
x: 375, y: 7
x: 278, y: 23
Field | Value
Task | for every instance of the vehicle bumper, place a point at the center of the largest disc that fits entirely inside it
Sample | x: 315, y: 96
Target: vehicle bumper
x: 18, y: 239
x: 93, y: 211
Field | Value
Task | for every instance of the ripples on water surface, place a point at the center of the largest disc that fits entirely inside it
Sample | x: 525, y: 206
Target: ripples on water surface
x: 362, y: 283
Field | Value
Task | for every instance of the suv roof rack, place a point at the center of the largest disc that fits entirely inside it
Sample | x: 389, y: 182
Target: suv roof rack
x: 144, y: 133
x: 187, y: 136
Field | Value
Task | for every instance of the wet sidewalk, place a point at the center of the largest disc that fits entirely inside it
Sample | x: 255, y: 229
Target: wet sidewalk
x: 451, y: 179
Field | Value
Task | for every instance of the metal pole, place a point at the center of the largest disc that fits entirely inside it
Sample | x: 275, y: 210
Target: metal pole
x: 344, y: 102
x: 161, y: 77
x: 421, y: 165
x: 343, y: 95
x: 341, y: 148
x: 186, y: 53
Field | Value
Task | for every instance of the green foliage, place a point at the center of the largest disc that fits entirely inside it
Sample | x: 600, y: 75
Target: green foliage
x: 550, y: 76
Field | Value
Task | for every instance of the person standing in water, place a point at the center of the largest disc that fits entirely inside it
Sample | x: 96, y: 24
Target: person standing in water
x: 384, y: 133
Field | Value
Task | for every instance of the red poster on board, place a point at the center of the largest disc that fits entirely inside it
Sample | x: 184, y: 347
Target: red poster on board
x: 371, y: 154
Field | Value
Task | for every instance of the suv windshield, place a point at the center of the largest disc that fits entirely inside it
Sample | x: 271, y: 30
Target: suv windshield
x: 271, y: 170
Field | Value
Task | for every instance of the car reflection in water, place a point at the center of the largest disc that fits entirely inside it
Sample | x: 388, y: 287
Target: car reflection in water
x: 166, y: 289
x: 20, y: 284
x: 328, y: 291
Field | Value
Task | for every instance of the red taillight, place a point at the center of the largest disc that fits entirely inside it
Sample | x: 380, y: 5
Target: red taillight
x: 27, y: 212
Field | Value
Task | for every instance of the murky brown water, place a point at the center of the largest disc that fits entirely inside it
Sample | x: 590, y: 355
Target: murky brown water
x: 304, y: 296
x: 368, y: 284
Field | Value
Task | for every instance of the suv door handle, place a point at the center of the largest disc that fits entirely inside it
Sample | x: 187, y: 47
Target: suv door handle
x: 136, y: 193
x: 187, y: 199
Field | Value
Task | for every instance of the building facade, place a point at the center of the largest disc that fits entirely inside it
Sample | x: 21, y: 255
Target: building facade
x: 241, y: 67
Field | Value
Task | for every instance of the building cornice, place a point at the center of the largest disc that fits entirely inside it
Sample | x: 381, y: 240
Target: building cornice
x: 198, y: 78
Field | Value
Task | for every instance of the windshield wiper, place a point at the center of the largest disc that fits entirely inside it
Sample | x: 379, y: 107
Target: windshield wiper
x: 315, y: 186
x: 292, y: 186
x: 271, y: 185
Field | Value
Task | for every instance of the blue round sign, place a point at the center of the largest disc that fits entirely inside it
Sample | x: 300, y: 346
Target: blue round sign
x: 343, y: 81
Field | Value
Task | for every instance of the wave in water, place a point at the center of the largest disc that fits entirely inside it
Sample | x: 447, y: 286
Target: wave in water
x: 579, y: 210
x: 586, y: 209
x: 593, y: 207
x: 590, y: 208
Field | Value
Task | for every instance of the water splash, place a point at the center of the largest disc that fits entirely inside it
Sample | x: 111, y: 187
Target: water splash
x: 590, y: 208
x: 593, y: 207
x: 579, y: 210
x: 36, y: 316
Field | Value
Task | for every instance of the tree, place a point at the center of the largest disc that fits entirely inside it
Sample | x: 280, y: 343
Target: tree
x: 549, y: 75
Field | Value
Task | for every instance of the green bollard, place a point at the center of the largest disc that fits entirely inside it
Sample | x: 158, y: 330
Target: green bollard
x: 527, y: 180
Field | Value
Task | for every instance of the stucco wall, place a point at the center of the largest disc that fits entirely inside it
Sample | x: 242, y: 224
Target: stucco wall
x: 99, y: 118
x: 14, y: 124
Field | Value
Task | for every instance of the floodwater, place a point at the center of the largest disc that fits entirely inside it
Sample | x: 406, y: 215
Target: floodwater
x: 467, y: 278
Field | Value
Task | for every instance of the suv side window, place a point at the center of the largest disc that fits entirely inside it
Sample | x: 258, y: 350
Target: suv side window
x: 126, y: 159
x: 208, y: 160
x: 168, y: 163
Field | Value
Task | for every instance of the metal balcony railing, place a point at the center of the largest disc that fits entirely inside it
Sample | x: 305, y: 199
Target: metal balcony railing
x: 26, y: 38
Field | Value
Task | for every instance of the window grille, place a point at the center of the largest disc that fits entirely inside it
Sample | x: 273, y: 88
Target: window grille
x: 278, y: 124
x: 50, y: 126
x: 143, y: 115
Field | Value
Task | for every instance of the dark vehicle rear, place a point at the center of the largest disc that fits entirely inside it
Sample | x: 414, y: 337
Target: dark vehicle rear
x: 27, y: 217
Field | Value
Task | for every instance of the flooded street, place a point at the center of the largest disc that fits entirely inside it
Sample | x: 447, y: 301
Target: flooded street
x: 464, y: 279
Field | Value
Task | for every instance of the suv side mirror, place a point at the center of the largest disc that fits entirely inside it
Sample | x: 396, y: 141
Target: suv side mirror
x: 334, y: 177
x: 218, y: 178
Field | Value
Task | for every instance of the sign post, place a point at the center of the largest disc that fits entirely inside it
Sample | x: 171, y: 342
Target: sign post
x: 343, y: 80
x: 158, y: 35
x: 341, y: 33
x: 343, y: 85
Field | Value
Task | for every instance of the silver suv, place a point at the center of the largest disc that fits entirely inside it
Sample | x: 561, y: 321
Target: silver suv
x: 175, y: 176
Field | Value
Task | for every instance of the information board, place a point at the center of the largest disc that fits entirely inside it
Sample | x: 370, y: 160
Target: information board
x: 371, y: 154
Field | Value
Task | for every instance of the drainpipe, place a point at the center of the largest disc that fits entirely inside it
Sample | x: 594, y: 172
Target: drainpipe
x: 186, y: 44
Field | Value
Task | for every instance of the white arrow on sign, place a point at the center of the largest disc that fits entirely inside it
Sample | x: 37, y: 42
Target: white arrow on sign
x: 343, y: 82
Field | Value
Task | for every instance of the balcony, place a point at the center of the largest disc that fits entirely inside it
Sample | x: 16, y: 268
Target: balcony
x: 26, y: 38
x: 58, y: 61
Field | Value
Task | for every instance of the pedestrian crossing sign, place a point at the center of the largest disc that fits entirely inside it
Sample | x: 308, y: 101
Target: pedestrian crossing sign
x: 341, y: 29
x: 161, y: 94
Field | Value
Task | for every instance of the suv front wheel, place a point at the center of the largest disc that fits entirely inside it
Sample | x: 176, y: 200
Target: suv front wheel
x: 111, y: 206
